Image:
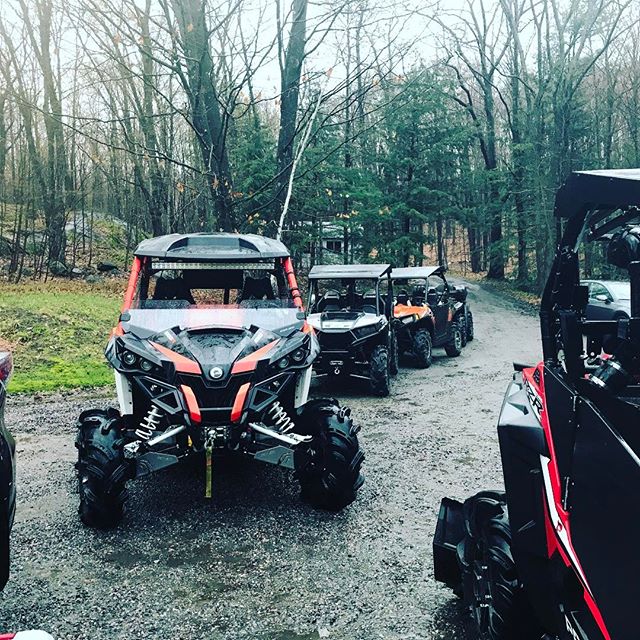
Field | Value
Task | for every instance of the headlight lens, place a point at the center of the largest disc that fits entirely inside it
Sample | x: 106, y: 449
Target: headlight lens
x: 363, y: 332
x: 129, y: 358
x: 299, y: 355
x: 145, y: 365
x: 283, y: 363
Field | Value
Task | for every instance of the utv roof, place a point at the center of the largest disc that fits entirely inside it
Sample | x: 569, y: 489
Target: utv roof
x: 211, y: 247
x: 406, y: 273
x: 606, y: 190
x: 349, y: 271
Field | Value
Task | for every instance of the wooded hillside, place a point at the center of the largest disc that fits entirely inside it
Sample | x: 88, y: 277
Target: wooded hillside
x: 366, y: 130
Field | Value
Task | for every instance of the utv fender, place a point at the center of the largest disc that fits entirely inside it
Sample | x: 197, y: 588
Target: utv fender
x: 426, y: 323
x: 449, y: 534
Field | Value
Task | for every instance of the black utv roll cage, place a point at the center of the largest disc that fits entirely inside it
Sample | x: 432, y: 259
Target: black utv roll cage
x: 593, y: 204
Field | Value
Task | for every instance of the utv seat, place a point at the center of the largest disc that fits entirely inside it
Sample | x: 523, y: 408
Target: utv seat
x: 369, y: 302
x: 172, y: 289
x: 257, y: 289
x: 402, y: 297
x: 418, y: 296
x: 329, y: 302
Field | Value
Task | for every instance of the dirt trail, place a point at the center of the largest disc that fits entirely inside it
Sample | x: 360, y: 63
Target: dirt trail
x: 254, y: 562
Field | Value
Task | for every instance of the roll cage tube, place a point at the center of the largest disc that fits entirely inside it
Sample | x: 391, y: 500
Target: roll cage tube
x: 389, y: 302
x: 293, y: 283
x: 136, y: 268
x: 584, y: 201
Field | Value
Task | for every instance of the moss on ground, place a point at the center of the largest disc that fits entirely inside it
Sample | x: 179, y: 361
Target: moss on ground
x: 57, y: 332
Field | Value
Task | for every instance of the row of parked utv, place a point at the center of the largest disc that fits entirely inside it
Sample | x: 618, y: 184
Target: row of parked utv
x: 214, y: 351
x: 369, y: 318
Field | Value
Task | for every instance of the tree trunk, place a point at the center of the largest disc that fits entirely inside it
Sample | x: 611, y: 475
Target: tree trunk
x: 289, y: 99
x: 207, y: 120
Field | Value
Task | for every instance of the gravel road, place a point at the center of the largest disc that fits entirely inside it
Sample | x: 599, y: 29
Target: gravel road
x: 255, y: 562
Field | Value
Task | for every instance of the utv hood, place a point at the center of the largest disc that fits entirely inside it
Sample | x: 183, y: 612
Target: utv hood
x: 339, y: 321
x: 215, y: 349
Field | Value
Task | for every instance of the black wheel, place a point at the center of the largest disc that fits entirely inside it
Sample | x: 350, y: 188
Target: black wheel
x: 102, y: 469
x: 394, y: 355
x: 462, y: 323
x: 379, y: 374
x: 490, y: 581
x: 328, y: 468
x: 469, y: 326
x: 422, y: 345
x: 454, y: 346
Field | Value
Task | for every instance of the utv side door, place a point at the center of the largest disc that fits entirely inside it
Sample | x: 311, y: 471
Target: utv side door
x: 603, y: 503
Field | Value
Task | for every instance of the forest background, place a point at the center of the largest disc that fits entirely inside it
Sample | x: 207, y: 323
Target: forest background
x: 358, y: 130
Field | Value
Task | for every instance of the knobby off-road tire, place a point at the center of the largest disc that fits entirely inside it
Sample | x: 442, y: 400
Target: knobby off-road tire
x: 462, y: 323
x: 422, y: 348
x: 328, y: 468
x: 469, y: 326
x: 394, y: 355
x: 453, y: 348
x: 102, y: 469
x: 379, y: 374
x: 491, y: 587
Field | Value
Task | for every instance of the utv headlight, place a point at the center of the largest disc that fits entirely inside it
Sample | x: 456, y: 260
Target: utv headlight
x: 363, y: 332
x: 299, y: 355
x: 145, y: 365
x: 129, y: 358
x: 283, y: 363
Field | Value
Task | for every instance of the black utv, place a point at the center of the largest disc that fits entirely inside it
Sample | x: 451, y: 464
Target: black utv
x: 554, y: 555
x: 212, y: 354
x: 351, y: 309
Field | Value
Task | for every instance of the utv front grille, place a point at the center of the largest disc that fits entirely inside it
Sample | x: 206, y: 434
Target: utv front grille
x: 335, y: 341
x: 215, y: 402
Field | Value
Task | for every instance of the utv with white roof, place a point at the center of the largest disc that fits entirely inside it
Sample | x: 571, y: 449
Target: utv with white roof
x: 212, y: 354
x: 351, y: 310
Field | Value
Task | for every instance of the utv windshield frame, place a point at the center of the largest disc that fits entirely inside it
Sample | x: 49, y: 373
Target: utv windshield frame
x: 350, y: 274
x: 210, y: 252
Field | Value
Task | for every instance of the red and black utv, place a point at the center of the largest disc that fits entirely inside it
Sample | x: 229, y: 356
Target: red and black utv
x: 554, y: 556
x: 212, y: 354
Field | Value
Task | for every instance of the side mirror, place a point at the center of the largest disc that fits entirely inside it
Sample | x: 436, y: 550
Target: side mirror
x: 301, y: 315
x: 125, y: 317
x: 601, y: 297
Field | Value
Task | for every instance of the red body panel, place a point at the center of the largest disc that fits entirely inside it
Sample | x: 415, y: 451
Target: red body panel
x: 238, y: 403
x: 182, y: 363
x: 250, y: 362
x: 192, y: 403
x: 557, y: 519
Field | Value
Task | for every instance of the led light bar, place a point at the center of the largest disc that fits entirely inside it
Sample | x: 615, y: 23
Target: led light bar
x: 212, y: 266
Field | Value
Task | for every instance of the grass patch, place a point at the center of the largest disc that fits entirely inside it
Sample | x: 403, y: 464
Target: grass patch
x: 57, y: 332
